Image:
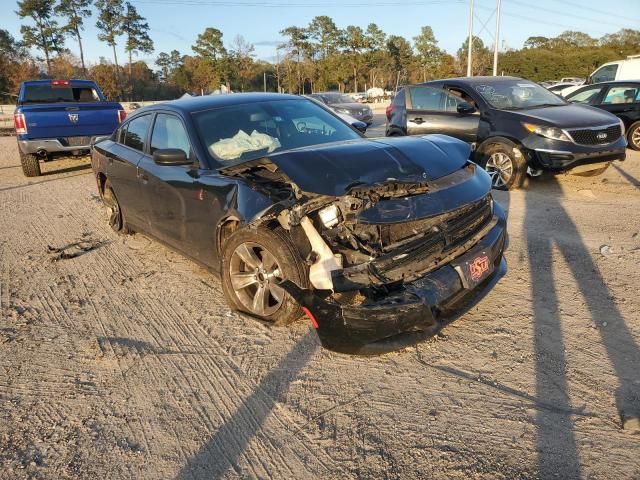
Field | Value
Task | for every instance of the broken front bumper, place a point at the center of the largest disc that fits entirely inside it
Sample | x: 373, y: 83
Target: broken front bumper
x: 410, y: 313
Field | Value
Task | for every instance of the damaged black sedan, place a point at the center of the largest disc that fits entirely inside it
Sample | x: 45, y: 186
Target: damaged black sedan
x: 379, y: 242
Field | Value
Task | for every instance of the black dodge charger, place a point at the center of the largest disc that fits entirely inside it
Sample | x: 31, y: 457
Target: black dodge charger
x: 379, y: 242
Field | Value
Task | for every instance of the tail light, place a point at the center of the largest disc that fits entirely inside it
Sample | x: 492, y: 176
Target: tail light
x: 389, y: 111
x: 121, y: 116
x: 20, y: 123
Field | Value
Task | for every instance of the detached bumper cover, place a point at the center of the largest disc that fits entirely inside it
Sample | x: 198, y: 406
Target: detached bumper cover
x: 410, y: 313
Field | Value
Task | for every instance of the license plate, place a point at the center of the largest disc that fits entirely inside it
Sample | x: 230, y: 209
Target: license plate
x: 473, y: 268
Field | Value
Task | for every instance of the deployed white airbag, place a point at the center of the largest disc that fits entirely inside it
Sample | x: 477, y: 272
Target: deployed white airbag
x: 232, y: 148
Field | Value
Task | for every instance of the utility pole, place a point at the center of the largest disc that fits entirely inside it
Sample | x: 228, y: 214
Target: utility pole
x: 470, y: 38
x: 497, y: 40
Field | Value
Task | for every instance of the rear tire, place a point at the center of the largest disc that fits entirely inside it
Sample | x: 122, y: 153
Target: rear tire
x: 30, y: 164
x: 633, y: 136
x: 253, y: 261
x: 508, y: 170
x: 114, y: 212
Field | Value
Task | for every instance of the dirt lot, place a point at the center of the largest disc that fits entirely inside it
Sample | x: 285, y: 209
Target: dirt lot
x: 125, y: 362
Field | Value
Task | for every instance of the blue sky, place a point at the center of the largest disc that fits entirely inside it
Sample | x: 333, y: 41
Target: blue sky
x: 175, y: 24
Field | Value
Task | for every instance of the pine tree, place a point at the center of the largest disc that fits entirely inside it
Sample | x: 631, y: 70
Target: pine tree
x: 75, y: 11
x: 136, y: 29
x: 46, y: 35
x: 110, y: 19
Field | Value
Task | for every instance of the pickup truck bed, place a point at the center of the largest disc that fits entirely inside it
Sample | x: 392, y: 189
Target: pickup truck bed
x: 60, y: 117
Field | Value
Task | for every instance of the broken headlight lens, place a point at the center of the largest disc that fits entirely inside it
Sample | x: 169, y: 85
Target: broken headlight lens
x: 329, y: 216
x: 553, y: 133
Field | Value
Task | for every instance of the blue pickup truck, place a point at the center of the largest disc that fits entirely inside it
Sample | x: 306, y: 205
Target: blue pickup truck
x: 60, y: 117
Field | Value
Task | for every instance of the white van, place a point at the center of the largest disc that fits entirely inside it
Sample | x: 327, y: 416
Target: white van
x: 628, y: 69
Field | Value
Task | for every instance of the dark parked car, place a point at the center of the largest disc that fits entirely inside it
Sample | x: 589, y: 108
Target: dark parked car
x: 620, y: 98
x: 514, y: 126
x: 342, y: 103
x: 379, y: 242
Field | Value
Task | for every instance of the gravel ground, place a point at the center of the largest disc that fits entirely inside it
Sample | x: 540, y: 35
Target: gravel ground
x: 125, y: 362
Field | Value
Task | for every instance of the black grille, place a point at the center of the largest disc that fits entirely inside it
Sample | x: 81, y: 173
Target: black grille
x: 597, y: 137
x: 445, y: 233
x: 459, y: 224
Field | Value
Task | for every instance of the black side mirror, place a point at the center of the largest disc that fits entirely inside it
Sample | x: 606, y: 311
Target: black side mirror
x: 360, y: 126
x: 171, y: 156
x: 465, y: 108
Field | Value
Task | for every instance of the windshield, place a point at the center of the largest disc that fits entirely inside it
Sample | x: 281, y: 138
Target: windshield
x: 517, y: 95
x: 333, y: 98
x: 249, y: 131
x: 59, y: 94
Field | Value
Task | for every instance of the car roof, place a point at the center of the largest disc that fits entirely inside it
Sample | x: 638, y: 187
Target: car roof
x: 207, y: 102
x: 482, y: 80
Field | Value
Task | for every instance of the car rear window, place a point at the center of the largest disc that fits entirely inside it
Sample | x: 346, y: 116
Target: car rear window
x: 59, y: 94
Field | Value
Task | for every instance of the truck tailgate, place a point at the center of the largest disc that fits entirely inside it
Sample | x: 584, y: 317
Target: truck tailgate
x: 70, y: 119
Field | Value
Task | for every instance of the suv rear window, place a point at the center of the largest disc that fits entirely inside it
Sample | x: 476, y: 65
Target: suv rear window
x: 59, y: 94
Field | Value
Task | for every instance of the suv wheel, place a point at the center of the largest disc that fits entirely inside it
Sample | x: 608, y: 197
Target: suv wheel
x: 253, y: 263
x: 633, y: 136
x: 30, y: 164
x: 506, y: 168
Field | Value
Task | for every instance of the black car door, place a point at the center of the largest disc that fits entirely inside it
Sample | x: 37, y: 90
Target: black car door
x: 434, y: 110
x: 171, y: 192
x: 623, y: 100
x: 123, y: 156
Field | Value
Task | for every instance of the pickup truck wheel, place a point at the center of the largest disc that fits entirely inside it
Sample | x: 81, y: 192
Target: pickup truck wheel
x: 114, y: 212
x: 30, y: 164
x: 253, y: 263
x: 507, y: 169
x: 633, y: 136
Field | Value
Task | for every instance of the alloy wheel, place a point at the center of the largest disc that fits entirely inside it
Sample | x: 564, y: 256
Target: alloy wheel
x: 500, y: 168
x: 635, y: 137
x: 255, y: 274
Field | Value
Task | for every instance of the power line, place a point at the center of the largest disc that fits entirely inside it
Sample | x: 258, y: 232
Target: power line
x: 594, y: 10
x: 565, y: 14
x: 279, y: 4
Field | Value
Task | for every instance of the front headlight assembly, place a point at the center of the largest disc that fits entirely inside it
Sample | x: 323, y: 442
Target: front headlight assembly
x: 553, y: 133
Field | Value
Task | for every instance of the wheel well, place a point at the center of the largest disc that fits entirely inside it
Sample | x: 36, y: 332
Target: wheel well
x: 512, y: 142
x: 225, y: 229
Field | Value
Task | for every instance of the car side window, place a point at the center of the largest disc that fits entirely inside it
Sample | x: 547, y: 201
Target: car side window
x: 427, y: 98
x: 605, y: 74
x: 169, y: 132
x: 621, y: 95
x: 585, y: 96
x: 136, y: 133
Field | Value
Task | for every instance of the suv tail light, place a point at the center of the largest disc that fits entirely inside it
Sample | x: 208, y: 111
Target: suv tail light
x: 20, y: 123
x: 121, y: 116
x: 389, y: 111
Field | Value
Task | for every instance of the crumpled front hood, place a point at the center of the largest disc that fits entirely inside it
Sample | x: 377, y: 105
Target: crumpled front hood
x: 334, y: 169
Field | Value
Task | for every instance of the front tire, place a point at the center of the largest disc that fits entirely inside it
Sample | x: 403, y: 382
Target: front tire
x: 507, y: 169
x: 30, y: 164
x: 633, y: 136
x: 253, y: 263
